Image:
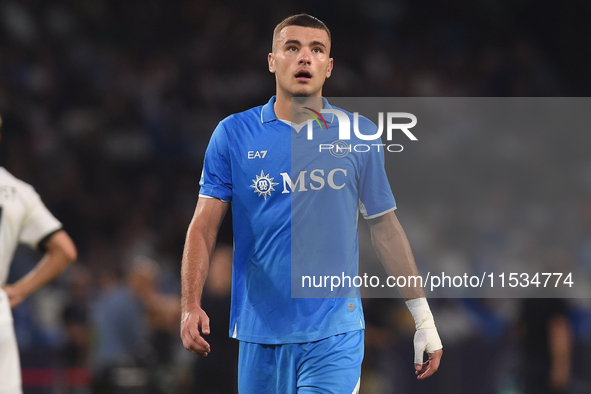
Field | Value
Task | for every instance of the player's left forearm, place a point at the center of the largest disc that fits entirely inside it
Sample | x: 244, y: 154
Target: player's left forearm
x: 393, y: 250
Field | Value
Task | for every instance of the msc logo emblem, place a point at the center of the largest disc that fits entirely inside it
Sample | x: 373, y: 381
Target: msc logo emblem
x: 336, y: 179
x: 263, y: 185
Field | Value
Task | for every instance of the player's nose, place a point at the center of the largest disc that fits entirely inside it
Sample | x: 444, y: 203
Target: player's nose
x: 304, y: 57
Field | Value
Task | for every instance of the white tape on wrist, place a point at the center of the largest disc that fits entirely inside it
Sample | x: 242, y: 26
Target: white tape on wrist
x: 420, y: 311
x: 426, y: 338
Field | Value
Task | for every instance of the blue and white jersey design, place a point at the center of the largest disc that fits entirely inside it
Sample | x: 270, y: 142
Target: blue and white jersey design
x: 291, y: 205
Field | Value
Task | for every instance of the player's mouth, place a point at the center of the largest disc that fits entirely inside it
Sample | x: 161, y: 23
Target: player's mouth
x: 303, y: 75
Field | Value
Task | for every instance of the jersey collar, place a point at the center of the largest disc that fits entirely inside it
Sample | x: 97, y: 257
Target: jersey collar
x: 268, y: 113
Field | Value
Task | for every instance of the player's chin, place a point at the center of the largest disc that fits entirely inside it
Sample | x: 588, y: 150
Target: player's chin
x: 301, y: 91
x: 304, y: 91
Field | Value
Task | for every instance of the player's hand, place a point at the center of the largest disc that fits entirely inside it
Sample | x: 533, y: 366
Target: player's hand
x: 15, y: 297
x: 195, y: 322
x: 427, y: 340
x: 423, y: 371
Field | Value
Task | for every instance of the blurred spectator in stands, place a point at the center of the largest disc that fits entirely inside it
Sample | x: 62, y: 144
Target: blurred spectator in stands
x: 75, y: 317
x: 120, y: 337
x: 547, y: 346
x: 162, y: 310
x: 137, y: 330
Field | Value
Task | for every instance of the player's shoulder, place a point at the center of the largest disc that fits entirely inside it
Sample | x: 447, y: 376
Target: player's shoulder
x: 349, y: 113
x: 362, y: 120
x: 7, y: 179
x: 250, y: 116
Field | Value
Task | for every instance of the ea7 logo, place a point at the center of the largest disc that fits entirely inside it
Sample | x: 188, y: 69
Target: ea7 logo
x: 252, y: 154
x: 345, y: 125
x: 317, y: 180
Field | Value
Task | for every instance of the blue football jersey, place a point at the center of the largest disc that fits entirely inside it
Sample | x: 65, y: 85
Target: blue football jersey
x: 295, y: 203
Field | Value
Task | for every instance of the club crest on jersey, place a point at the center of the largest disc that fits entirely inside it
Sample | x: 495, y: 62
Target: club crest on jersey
x: 263, y: 185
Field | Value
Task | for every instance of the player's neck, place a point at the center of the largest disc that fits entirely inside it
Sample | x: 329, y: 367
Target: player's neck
x: 293, y: 110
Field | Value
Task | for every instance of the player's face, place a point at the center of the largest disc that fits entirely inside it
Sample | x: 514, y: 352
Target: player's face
x: 300, y: 61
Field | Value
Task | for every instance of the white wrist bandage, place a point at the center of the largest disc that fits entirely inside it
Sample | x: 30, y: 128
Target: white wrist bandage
x: 426, y: 337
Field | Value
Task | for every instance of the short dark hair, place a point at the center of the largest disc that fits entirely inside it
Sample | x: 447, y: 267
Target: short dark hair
x: 303, y: 20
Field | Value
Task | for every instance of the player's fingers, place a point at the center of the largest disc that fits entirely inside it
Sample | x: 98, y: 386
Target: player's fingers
x: 425, y: 371
x: 205, y: 324
x: 10, y: 294
x: 421, y: 368
x: 419, y: 350
x: 188, y: 342
x: 193, y: 340
x: 202, y: 343
x: 431, y: 366
x: 435, y: 359
x: 196, y: 345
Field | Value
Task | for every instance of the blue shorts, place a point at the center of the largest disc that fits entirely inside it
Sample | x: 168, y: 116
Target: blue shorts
x: 331, y: 365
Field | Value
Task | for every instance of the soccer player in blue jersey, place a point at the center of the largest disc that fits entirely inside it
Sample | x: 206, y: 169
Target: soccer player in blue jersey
x: 295, y: 208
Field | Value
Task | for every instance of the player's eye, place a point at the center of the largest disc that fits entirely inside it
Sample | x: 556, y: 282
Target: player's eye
x: 292, y: 49
x: 317, y: 50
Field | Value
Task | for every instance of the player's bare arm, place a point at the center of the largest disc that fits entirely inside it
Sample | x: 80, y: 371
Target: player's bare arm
x: 393, y: 249
x: 60, y: 252
x: 199, y: 246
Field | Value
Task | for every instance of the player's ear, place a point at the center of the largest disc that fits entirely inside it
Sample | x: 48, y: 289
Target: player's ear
x: 329, y: 69
x: 271, y: 60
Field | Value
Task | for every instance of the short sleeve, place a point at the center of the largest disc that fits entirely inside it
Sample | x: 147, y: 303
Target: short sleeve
x: 375, y: 194
x: 38, y: 222
x: 216, y: 178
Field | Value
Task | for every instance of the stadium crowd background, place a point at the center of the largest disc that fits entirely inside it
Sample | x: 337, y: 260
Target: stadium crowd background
x: 108, y: 107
